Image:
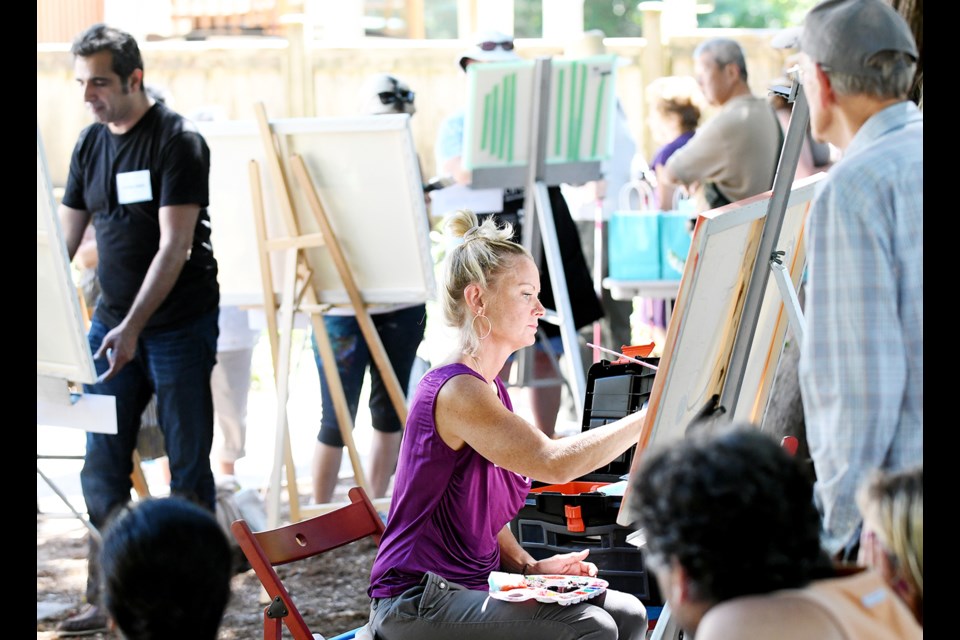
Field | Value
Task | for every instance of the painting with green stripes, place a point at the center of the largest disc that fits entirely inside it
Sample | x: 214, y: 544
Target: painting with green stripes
x: 499, y: 111
x: 582, y: 104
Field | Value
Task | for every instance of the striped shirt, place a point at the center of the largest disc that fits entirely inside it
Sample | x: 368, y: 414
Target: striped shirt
x: 861, y: 363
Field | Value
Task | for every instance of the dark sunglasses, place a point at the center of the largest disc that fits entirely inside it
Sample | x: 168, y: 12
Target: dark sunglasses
x: 390, y: 97
x: 490, y: 46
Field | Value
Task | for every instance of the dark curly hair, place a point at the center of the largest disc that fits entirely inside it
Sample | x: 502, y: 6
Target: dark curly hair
x: 734, y: 509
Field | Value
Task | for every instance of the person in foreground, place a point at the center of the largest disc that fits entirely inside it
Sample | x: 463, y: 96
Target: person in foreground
x: 465, y: 467
x: 732, y: 535
x: 861, y: 360
x: 892, y: 537
x: 166, y: 571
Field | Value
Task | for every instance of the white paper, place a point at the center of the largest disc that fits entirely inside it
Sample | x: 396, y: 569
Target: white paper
x: 89, y: 412
x: 134, y: 186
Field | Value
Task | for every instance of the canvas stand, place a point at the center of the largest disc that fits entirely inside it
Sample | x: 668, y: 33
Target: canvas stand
x: 765, y: 259
x: 536, y: 171
x: 316, y: 269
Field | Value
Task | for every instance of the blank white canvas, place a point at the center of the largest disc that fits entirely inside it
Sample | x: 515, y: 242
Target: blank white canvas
x: 367, y: 175
x: 62, y: 348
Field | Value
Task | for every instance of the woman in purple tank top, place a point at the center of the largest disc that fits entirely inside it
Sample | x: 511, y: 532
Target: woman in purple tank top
x: 465, y: 466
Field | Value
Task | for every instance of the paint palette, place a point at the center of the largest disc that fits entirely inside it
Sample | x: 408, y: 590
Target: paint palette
x: 551, y: 589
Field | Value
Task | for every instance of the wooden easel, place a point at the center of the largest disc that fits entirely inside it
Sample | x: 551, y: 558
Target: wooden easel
x: 298, y: 295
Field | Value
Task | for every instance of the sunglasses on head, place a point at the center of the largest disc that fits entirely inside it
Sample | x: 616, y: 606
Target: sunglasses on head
x: 490, y: 46
x: 400, y: 95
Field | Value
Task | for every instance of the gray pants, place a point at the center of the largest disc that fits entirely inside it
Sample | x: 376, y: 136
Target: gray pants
x: 437, y: 609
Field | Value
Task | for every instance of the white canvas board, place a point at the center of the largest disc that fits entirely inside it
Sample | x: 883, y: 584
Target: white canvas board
x: 582, y: 107
x: 367, y: 175
x: 89, y: 412
x: 709, y: 303
x: 62, y: 348
x: 581, y: 103
x: 233, y: 145
x: 496, y: 127
x: 773, y: 321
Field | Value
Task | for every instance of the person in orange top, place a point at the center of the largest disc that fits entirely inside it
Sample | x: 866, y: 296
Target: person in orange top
x: 733, y: 536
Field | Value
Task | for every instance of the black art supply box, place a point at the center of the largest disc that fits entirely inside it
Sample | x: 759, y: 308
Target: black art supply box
x: 574, y: 516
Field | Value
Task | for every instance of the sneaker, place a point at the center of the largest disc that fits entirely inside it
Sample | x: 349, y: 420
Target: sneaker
x: 89, y: 621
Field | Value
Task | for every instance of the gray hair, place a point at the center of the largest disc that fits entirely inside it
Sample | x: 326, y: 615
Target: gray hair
x: 895, y: 77
x: 724, y: 51
x: 480, y: 255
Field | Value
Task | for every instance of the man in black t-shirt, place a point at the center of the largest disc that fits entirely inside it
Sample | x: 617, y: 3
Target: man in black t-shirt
x: 140, y: 174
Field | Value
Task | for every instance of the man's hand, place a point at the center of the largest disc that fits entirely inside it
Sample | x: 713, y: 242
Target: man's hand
x: 567, y: 564
x: 119, y: 347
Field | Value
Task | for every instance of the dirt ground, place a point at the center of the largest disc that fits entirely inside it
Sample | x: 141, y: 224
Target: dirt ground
x: 330, y: 591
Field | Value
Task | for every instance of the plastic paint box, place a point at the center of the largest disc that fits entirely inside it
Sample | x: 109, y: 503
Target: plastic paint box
x: 560, y: 518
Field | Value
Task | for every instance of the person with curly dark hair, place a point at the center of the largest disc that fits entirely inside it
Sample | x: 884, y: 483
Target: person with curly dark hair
x: 733, y: 536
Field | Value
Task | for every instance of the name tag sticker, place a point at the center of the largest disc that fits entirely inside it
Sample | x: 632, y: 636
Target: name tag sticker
x: 134, y: 186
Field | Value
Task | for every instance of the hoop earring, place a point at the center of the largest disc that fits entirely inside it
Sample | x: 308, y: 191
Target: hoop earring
x: 474, y: 328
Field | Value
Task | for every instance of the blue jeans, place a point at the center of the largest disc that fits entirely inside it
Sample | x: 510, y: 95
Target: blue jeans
x: 400, y: 332
x: 176, y: 365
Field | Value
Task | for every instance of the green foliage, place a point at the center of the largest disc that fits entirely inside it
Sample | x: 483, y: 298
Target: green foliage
x: 616, y: 18
x: 755, y: 14
x: 622, y: 18
x: 528, y: 18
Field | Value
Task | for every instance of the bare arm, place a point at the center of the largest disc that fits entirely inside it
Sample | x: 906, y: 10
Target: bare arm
x: 86, y: 255
x: 515, y: 559
x: 73, y: 223
x: 666, y: 188
x: 468, y: 412
x: 177, y: 225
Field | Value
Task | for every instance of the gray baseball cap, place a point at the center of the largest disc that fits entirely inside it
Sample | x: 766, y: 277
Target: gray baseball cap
x: 843, y: 35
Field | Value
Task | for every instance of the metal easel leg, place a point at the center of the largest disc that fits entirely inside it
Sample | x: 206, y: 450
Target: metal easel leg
x: 94, y: 533
x: 561, y: 296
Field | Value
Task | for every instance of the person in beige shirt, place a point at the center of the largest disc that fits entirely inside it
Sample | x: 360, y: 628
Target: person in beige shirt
x: 733, y: 536
x: 734, y: 154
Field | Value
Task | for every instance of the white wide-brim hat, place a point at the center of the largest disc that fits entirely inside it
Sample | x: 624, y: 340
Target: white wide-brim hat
x: 494, y: 54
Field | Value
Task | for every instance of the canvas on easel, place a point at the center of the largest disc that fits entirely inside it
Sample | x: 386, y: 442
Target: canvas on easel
x: 63, y: 353
x: 581, y: 108
x: 346, y: 194
x: 537, y: 124
x: 62, y: 349
x: 707, y: 311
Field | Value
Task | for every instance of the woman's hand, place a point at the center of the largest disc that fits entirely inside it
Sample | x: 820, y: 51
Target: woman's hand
x: 567, y: 564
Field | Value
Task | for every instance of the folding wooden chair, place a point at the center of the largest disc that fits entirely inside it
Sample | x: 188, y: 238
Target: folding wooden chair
x: 298, y: 541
